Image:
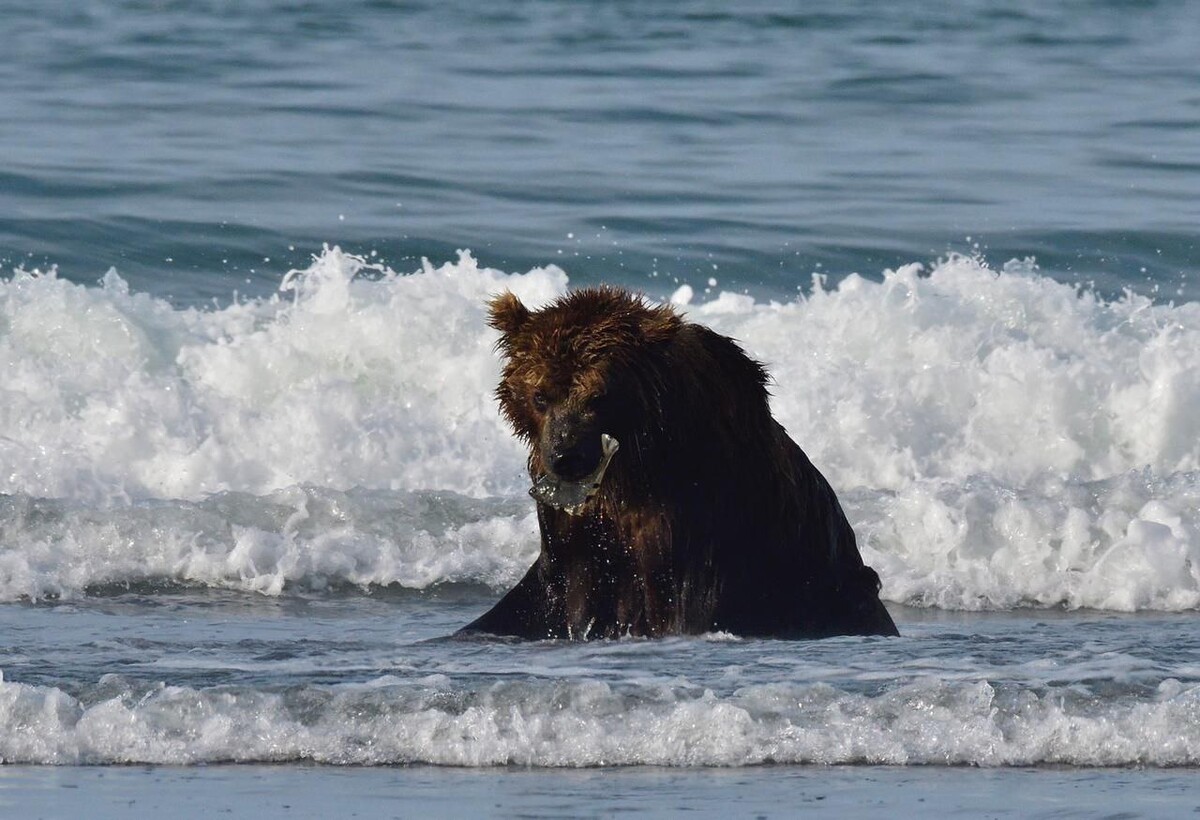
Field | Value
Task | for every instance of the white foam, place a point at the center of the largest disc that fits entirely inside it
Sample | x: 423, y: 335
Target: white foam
x: 1129, y: 543
x: 591, y: 723
x: 962, y: 371
x: 300, y: 537
x: 382, y: 382
x: 999, y: 438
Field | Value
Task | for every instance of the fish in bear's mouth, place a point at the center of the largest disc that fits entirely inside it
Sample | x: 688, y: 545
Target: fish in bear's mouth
x: 570, y: 496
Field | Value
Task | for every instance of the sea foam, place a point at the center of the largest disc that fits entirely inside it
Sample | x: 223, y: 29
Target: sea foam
x: 340, y: 381
x: 998, y: 438
x: 592, y: 723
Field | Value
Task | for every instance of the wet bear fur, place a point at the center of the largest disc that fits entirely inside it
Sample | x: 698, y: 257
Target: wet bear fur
x: 709, y: 518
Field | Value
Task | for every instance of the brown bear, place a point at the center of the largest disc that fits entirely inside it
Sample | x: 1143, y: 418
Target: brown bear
x: 708, y: 516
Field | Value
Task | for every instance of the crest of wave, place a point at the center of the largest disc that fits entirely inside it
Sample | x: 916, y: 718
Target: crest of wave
x: 352, y: 375
x: 591, y: 723
x: 999, y: 438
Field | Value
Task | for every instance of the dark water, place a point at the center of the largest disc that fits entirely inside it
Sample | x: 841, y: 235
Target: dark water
x: 196, y: 144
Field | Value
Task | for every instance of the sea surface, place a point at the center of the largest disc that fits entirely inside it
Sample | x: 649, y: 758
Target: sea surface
x: 252, y: 474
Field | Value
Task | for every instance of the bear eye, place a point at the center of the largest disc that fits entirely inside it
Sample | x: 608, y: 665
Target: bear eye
x: 540, y: 403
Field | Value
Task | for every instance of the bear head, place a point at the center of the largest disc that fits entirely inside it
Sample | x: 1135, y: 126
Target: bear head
x: 581, y: 367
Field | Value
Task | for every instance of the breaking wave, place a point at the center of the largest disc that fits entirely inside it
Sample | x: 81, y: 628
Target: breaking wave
x: 999, y: 439
x: 592, y: 723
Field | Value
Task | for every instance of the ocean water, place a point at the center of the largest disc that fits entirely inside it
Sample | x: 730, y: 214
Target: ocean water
x: 252, y: 474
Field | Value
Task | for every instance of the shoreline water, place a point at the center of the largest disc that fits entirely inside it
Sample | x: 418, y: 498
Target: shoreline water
x: 776, y: 791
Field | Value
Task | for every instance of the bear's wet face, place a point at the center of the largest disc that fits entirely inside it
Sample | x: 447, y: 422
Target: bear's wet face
x: 561, y: 365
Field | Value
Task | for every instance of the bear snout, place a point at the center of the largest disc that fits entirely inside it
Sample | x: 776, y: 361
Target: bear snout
x: 575, y: 463
x: 570, y: 452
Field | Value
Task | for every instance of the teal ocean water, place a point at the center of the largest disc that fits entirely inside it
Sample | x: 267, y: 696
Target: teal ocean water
x: 251, y: 472
x: 186, y: 143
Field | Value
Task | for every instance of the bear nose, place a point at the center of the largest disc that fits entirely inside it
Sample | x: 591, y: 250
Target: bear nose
x: 570, y: 463
x: 570, y: 446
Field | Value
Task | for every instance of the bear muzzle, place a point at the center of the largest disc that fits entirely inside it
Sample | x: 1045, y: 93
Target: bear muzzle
x: 570, y: 445
x: 571, y: 495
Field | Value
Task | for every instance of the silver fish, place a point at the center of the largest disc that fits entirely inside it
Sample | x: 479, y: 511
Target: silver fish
x: 570, y: 496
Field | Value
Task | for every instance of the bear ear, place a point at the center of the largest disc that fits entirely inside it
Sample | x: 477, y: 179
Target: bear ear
x: 506, y: 313
x: 659, y: 324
